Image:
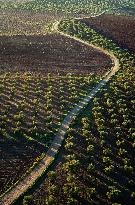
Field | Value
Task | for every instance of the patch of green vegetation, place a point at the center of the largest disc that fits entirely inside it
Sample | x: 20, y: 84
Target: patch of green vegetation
x: 97, y: 165
x: 71, y: 6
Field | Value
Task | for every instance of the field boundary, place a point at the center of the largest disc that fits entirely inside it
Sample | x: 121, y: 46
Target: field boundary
x: 22, y: 186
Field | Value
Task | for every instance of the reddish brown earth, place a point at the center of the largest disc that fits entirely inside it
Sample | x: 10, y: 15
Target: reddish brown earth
x: 50, y: 52
x: 121, y: 29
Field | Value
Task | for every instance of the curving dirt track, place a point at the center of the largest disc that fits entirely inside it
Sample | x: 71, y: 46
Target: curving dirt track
x: 36, y: 54
x: 22, y: 186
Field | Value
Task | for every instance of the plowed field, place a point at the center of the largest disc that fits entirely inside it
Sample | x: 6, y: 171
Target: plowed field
x: 121, y: 29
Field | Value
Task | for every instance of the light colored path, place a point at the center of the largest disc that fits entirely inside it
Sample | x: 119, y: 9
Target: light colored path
x: 28, y: 181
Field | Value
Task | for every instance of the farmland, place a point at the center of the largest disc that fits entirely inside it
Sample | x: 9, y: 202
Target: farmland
x: 35, y: 17
x: 96, y: 165
x: 38, y: 88
x: 29, y: 53
x: 14, y: 22
x: 51, y: 66
x: 16, y: 158
x: 108, y: 26
x: 73, y: 7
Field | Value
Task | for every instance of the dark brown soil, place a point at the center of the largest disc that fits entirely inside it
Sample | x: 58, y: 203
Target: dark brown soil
x: 39, y: 55
x: 121, y: 29
x: 16, y: 157
x: 50, y: 52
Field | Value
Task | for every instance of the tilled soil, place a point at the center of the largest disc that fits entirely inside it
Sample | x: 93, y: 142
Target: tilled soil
x: 48, y: 53
x: 16, y: 157
x: 121, y: 29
